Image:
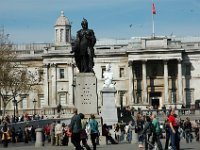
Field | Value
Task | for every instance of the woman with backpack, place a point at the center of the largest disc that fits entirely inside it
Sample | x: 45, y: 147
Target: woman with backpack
x: 94, y: 132
x: 156, y: 131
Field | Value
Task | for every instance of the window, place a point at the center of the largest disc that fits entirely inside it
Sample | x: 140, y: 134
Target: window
x: 67, y: 35
x: 103, y: 68
x: 62, y: 99
x: 57, y: 35
x: 121, y: 72
x: 23, y: 103
x: 41, y: 101
x: 61, y: 35
x: 62, y: 74
x: 122, y: 99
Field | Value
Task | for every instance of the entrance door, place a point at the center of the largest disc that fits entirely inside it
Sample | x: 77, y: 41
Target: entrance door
x: 155, y: 102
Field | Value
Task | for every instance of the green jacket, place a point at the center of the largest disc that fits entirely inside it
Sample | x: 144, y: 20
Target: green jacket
x: 156, y: 126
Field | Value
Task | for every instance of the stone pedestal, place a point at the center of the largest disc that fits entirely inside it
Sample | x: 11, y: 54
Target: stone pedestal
x: 39, y: 134
x: 86, y: 93
x: 109, y: 110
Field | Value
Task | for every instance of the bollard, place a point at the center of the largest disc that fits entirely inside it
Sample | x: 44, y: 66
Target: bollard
x: 39, y: 137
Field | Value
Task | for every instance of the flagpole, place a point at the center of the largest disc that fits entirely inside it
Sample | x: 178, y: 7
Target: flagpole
x: 153, y: 30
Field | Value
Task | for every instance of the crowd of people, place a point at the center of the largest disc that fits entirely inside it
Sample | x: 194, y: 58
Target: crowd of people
x: 146, y: 127
x: 150, y: 132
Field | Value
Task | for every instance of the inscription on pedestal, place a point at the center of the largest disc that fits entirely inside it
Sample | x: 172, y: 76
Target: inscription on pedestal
x: 86, y: 93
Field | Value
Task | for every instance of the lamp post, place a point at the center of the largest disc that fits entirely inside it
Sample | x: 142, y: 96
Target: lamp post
x: 14, y: 104
x: 34, y: 104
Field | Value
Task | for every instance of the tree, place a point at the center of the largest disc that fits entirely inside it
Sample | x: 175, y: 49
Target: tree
x: 6, y: 57
x: 14, y: 79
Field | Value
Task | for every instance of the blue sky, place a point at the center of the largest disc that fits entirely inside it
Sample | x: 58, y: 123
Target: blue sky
x: 32, y: 21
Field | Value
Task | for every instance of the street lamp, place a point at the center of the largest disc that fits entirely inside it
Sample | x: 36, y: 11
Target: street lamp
x: 14, y: 104
x: 34, y: 104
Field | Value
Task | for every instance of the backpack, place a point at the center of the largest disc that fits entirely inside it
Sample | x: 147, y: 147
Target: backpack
x: 150, y: 128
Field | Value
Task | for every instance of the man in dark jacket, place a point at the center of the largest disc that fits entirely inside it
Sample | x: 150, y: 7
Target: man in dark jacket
x: 75, y: 126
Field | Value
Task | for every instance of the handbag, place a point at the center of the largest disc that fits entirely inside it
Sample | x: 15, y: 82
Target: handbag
x: 136, y: 129
x: 83, y: 134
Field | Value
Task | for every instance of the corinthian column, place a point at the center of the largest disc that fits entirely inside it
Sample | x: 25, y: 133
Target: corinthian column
x: 180, y: 86
x: 144, y: 79
x: 54, y: 87
x: 70, y: 78
x: 131, y: 100
x: 46, y: 85
x: 166, y: 81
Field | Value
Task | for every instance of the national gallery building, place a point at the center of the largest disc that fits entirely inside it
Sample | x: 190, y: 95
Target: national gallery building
x: 146, y: 71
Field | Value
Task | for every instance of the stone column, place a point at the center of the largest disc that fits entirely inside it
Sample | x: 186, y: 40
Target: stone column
x: 180, y: 86
x: 144, y: 79
x: 39, y: 140
x: 46, y: 84
x: 131, y: 100
x: 54, y: 87
x: 166, y: 82
x: 70, y: 78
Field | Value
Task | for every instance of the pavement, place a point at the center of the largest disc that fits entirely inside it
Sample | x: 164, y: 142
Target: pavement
x: 122, y: 146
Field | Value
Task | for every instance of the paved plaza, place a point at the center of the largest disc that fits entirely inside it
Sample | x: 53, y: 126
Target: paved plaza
x: 125, y: 146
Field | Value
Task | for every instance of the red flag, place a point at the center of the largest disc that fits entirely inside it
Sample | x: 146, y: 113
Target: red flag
x: 153, y: 8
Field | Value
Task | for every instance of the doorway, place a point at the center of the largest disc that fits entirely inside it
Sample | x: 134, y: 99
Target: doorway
x: 155, y: 102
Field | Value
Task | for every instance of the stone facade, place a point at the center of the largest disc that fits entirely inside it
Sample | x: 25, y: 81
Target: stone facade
x: 146, y: 71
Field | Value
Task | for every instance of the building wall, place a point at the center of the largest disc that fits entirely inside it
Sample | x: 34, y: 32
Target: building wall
x: 118, y: 54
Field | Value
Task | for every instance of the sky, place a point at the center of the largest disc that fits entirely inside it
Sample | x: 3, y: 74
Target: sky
x: 32, y: 21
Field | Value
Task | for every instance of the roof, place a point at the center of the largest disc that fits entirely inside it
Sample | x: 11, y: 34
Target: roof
x: 62, y: 20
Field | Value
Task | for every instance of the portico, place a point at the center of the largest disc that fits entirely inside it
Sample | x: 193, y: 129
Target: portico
x: 153, y: 83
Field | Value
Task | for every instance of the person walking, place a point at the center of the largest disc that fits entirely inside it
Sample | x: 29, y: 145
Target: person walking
x: 128, y: 129
x: 65, y: 139
x: 117, y: 132
x: 58, y: 133
x: 94, y: 132
x: 139, y: 128
x: 173, y: 129
x: 84, y: 135
x: 156, y: 131
x: 76, y: 128
x: 5, y: 135
x: 147, y: 131
x: 167, y: 134
x: 52, y: 133
x: 187, y: 127
x: 107, y: 134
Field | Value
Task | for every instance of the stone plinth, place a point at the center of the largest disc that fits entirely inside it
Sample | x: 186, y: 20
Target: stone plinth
x: 39, y: 134
x: 109, y: 110
x: 86, y: 93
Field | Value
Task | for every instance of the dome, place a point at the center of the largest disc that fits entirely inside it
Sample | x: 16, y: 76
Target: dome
x: 62, y: 20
